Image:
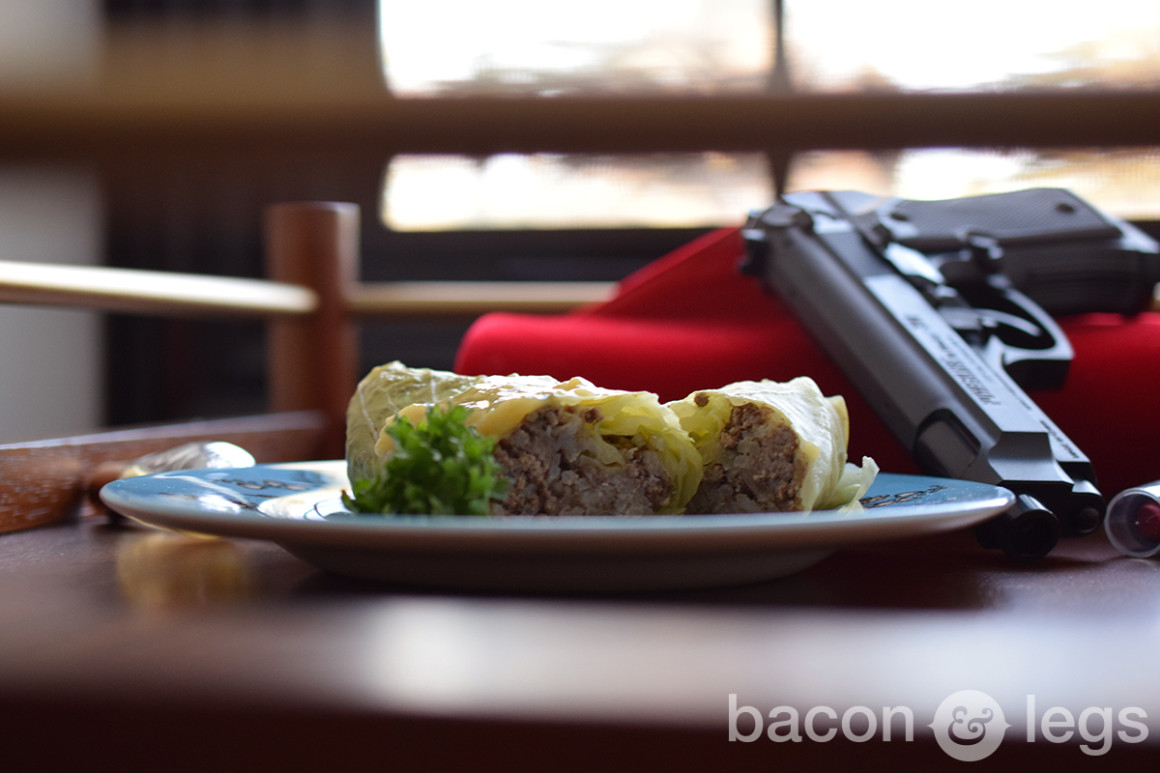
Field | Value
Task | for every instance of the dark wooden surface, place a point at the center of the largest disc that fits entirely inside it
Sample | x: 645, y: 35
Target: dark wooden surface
x: 124, y: 647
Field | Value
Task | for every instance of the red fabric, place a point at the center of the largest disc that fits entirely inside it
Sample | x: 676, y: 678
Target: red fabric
x: 691, y: 321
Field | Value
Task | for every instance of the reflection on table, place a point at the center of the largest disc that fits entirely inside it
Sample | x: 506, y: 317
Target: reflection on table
x: 128, y: 642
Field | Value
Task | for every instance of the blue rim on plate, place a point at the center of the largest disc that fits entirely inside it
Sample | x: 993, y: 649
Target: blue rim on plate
x: 298, y: 506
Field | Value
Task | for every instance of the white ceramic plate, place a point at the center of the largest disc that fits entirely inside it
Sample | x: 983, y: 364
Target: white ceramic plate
x: 299, y: 507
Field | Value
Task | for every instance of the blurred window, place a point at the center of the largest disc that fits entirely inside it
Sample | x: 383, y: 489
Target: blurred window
x: 552, y: 191
x: 917, y: 45
x: 717, y: 47
x: 600, y: 46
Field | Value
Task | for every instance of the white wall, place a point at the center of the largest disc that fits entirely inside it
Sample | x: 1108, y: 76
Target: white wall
x: 48, y: 42
x: 50, y: 359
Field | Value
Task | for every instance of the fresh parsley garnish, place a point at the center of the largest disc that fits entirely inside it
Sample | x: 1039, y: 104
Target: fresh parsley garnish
x: 442, y: 466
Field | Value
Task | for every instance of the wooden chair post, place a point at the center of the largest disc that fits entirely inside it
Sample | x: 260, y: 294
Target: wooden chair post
x: 313, y: 359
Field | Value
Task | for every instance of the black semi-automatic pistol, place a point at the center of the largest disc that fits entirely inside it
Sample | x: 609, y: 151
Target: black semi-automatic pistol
x: 940, y: 314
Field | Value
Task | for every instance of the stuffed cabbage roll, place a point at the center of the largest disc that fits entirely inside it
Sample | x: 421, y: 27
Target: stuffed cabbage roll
x: 770, y: 447
x: 565, y: 447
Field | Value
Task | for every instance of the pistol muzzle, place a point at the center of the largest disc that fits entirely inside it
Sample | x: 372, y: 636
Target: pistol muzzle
x: 1027, y: 531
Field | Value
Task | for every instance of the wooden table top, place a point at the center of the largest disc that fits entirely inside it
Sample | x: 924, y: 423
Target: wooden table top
x: 130, y: 647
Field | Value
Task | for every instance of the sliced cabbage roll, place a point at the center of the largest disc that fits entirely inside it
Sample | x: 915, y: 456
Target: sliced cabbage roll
x: 770, y: 447
x: 565, y: 447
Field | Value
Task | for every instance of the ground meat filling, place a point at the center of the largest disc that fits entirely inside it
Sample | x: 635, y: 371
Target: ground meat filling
x: 757, y: 470
x: 551, y: 464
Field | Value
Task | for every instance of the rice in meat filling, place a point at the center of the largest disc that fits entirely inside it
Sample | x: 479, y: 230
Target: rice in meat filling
x: 769, y: 446
x: 757, y: 470
x: 551, y: 463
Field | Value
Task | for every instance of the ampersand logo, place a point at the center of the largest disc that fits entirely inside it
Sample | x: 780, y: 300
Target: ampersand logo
x: 969, y: 725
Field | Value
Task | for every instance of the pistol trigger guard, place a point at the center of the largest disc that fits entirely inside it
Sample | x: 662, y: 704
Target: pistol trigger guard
x: 1039, y: 362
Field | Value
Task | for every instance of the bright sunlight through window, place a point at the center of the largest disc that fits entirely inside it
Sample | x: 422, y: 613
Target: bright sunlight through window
x: 713, y: 47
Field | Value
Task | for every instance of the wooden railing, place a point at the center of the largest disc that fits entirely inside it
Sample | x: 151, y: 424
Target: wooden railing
x: 313, y: 303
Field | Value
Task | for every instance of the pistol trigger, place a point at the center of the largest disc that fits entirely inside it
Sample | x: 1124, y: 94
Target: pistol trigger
x: 964, y: 319
x: 975, y: 328
x: 996, y: 318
